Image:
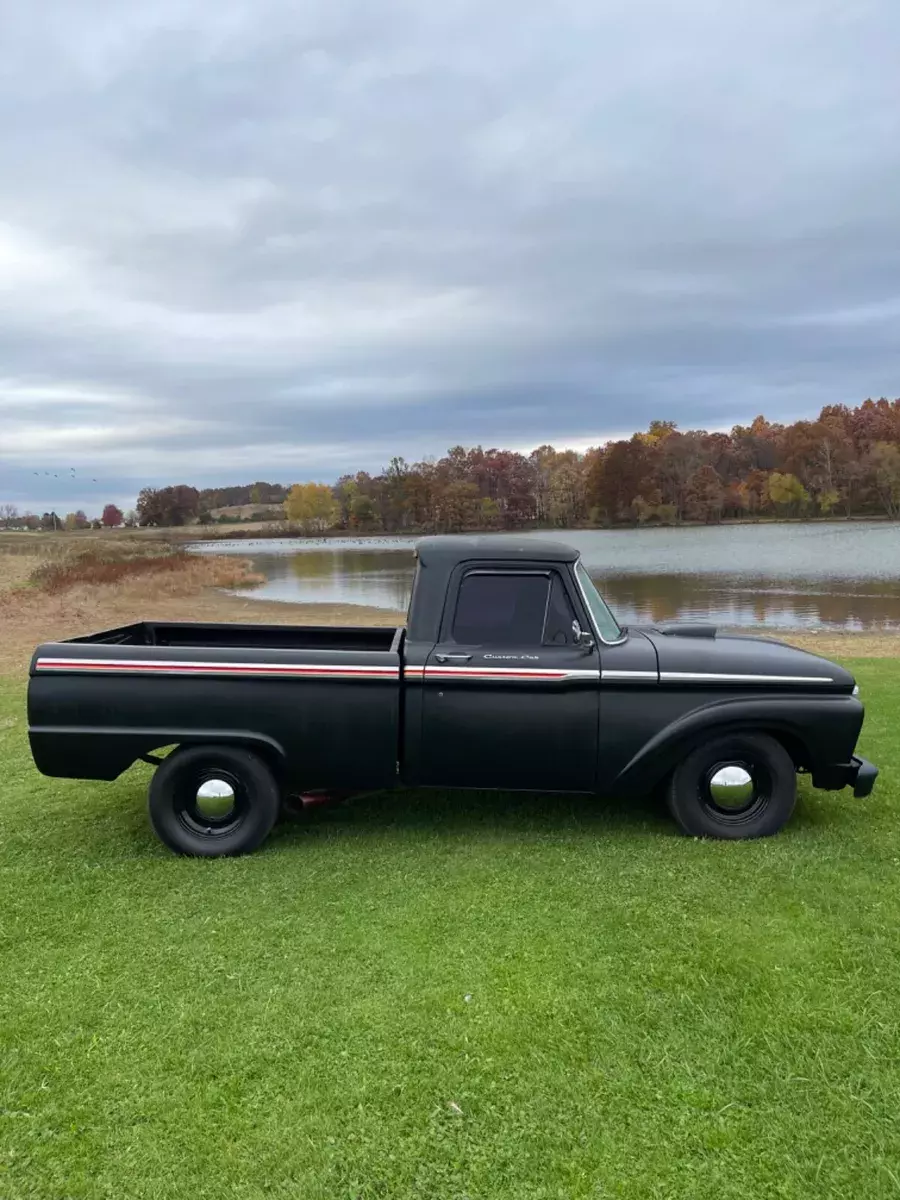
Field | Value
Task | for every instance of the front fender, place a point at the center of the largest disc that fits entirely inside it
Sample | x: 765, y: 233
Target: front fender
x: 818, y: 731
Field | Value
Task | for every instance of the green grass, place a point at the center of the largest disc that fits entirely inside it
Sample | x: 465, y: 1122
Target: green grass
x: 450, y: 996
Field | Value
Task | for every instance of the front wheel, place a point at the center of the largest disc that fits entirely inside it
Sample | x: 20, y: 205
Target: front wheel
x: 212, y: 801
x: 743, y: 785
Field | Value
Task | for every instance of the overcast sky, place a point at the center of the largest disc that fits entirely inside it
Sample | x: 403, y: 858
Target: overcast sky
x: 246, y: 239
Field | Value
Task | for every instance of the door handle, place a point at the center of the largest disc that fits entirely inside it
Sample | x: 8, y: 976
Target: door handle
x: 445, y: 658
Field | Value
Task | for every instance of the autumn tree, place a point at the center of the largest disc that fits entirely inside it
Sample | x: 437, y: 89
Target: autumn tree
x: 168, y: 506
x: 883, y: 463
x: 786, y: 492
x: 150, y: 506
x: 542, y: 460
x: 658, y: 431
x: 875, y: 421
x: 458, y: 506
x: 679, y: 456
x: 503, y: 476
x: 756, y: 445
x: 112, y: 517
x: 489, y: 515
x: 422, y: 489
x: 566, y: 494
x: 312, y: 507
x: 344, y: 492
x: 642, y: 510
x: 622, y: 471
x: 362, y: 513
x: 704, y: 495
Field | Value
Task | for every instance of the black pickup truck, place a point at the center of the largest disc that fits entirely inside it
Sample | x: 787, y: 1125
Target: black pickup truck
x: 511, y: 674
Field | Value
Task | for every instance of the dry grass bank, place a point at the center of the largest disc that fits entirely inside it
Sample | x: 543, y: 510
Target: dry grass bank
x: 16, y: 569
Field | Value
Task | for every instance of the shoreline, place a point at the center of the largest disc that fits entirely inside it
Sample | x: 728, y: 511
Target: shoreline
x: 273, y: 530
x: 270, y: 531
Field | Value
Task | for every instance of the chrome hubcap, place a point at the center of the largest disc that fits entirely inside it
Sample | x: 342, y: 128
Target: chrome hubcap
x: 731, y: 787
x: 215, y: 799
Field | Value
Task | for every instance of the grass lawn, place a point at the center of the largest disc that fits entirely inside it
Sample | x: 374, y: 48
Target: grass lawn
x: 450, y: 996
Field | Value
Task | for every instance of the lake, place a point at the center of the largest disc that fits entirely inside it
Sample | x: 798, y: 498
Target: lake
x: 829, y: 576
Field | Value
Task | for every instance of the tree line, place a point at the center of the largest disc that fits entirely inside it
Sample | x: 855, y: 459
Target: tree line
x: 111, y: 518
x: 846, y: 462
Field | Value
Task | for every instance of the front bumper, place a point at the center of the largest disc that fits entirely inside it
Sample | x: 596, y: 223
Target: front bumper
x: 864, y: 777
x: 859, y: 774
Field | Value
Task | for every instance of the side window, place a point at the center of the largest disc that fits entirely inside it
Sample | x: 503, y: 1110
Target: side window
x: 560, y: 615
x: 504, y: 609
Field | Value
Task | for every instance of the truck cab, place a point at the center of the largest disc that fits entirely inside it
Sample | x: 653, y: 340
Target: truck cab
x: 502, y: 660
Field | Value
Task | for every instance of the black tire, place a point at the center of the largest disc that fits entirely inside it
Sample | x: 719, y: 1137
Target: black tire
x: 774, y: 788
x: 179, y: 822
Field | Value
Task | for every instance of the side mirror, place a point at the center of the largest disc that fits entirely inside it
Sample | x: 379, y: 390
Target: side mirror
x: 582, y: 637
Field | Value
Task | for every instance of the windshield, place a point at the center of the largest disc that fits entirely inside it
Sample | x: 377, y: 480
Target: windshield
x: 606, y: 623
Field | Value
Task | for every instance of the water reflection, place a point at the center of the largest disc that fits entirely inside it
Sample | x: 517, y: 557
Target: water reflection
x: 744, y: 601
x: 382, y: 576
x: 382, y: 580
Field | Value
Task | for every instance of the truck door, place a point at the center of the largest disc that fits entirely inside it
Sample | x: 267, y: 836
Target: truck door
x: 509, y: 699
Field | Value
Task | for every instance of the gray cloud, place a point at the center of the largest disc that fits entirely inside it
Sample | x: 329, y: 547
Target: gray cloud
x: 240, y: 240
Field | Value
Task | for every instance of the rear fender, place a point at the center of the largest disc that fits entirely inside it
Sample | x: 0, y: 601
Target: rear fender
x: 105, y: 753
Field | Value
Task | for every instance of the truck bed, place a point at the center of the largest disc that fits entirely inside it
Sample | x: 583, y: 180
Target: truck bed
x: 324, y: 702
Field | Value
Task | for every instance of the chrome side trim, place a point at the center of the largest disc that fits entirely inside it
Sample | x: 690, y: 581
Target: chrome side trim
x: 532, y: 674
x: 713, y: 677
x: 717, y: 677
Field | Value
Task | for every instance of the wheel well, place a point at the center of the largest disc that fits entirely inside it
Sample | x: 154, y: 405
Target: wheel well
x: 793, y: 744
x: 269, y: 754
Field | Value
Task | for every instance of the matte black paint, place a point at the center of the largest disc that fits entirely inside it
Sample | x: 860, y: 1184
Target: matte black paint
x: 607, y: 718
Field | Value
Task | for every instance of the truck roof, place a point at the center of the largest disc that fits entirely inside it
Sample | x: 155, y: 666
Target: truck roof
x: 435, y: 550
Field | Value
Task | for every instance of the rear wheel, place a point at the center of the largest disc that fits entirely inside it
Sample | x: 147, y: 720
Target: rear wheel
x: 743, y: 785
x: 213, y: 801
